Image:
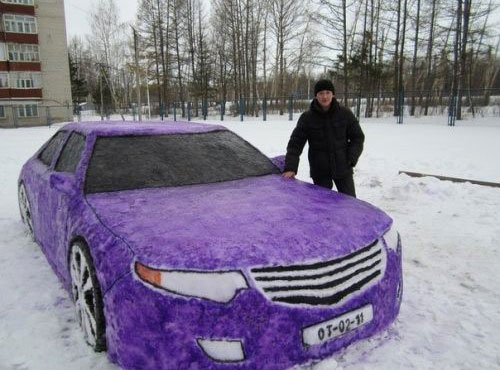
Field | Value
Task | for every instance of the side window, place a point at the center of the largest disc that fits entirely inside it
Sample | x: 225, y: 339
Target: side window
x: 71, y: 153
x: 50, y: 150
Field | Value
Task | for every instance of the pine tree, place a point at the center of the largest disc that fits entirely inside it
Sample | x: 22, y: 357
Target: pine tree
x: 79, y: 89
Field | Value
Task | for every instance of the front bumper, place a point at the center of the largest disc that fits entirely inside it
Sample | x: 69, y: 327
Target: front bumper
x: 151, y: 329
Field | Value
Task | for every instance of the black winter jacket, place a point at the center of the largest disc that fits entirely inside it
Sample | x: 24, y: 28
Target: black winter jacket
x: 335, y: 141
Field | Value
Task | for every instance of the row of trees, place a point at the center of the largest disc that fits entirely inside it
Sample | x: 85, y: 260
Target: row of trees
x: 254, y: 49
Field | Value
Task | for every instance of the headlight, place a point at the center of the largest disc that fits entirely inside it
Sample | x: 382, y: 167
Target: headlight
x: 392, y: 239
x: 216, y: 286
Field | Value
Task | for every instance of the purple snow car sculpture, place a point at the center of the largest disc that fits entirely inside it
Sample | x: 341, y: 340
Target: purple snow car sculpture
x: 184, y: 248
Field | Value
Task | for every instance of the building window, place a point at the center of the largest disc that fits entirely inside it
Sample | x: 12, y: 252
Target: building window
x: 4, y: 80
x: 22, y: 2
x: 25, y: 80
x: 3, y: 53
x: 2, y: 111
x: 19, y: 23
x: 27, y: 110
x: 23, y: 52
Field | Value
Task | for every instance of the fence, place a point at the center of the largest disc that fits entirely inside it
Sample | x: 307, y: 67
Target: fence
x: 23, y: 115
x: 482, y: 102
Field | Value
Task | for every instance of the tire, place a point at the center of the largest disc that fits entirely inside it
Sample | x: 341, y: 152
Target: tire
x: 87, y: 296
x: 25, y: 210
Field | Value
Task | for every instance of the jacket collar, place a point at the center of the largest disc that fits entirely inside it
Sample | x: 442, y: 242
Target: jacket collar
x: 317, y: 108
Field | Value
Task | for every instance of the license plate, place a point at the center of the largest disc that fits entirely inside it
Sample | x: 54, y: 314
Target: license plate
x: 327, y: 330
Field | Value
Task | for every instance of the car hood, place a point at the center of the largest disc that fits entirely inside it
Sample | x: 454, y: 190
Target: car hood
x: 256, y: 221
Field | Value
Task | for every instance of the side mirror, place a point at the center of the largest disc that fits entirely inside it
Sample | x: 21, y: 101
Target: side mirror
x: 63, y: 182
x: 279, y: 162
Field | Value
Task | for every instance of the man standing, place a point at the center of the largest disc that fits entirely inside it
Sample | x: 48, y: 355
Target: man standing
x: 335, y: 141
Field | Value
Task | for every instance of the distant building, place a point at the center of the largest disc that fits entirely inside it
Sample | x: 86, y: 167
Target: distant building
x: 35, y: 86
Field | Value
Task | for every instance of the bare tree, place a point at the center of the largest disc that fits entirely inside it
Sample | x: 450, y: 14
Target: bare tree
x: 272, y: 48
x: 108, y: 44
x: 492, y: 70
x: 177, y: 13
x: 430, y: 43
x: 414, y: 62
x: 149, y: 29
x: 397, y: 87
x: 463, y: 55
x: 286, y: 18
x: 333, y: 21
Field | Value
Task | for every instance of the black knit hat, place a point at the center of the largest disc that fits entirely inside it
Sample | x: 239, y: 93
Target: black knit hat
x: 323, y: 85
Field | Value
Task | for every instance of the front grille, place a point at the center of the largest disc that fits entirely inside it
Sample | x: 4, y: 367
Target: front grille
x: 325, y: 282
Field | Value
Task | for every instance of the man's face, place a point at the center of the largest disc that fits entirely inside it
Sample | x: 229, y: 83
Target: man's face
x: 324, y: 98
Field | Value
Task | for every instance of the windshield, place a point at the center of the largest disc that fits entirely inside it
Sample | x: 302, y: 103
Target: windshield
x: 137, y: 162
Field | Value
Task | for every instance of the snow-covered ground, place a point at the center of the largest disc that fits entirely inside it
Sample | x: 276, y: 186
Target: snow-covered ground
x: 450, y: 316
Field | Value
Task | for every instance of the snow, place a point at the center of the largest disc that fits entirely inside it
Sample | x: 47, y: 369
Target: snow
x: 450, y: 316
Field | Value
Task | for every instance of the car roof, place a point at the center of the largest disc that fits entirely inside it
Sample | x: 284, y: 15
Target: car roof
x: 122, y: 128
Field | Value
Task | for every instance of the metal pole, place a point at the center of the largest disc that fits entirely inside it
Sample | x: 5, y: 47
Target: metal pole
x: 138, y: 86
x: 14, y: 115
x: 149, y: 102
x: 264, y: 109
x: 401, y: 105
x: 49, y: 120
x: 102, y: 96
x: 241, y: 109
x: 452, y: 114
x: 358, y: 106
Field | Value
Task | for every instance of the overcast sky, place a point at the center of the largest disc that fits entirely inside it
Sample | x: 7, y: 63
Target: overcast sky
x: 77, y: 14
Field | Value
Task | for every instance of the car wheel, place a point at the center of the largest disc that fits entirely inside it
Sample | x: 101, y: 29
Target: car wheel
x: 25, y: 209
x: 87, y: 296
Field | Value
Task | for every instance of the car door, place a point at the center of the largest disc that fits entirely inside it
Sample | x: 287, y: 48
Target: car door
x: 65, y: 192
x: 41, y: 169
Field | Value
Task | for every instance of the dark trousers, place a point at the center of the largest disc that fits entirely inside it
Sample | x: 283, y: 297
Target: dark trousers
x: 344, y: 185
